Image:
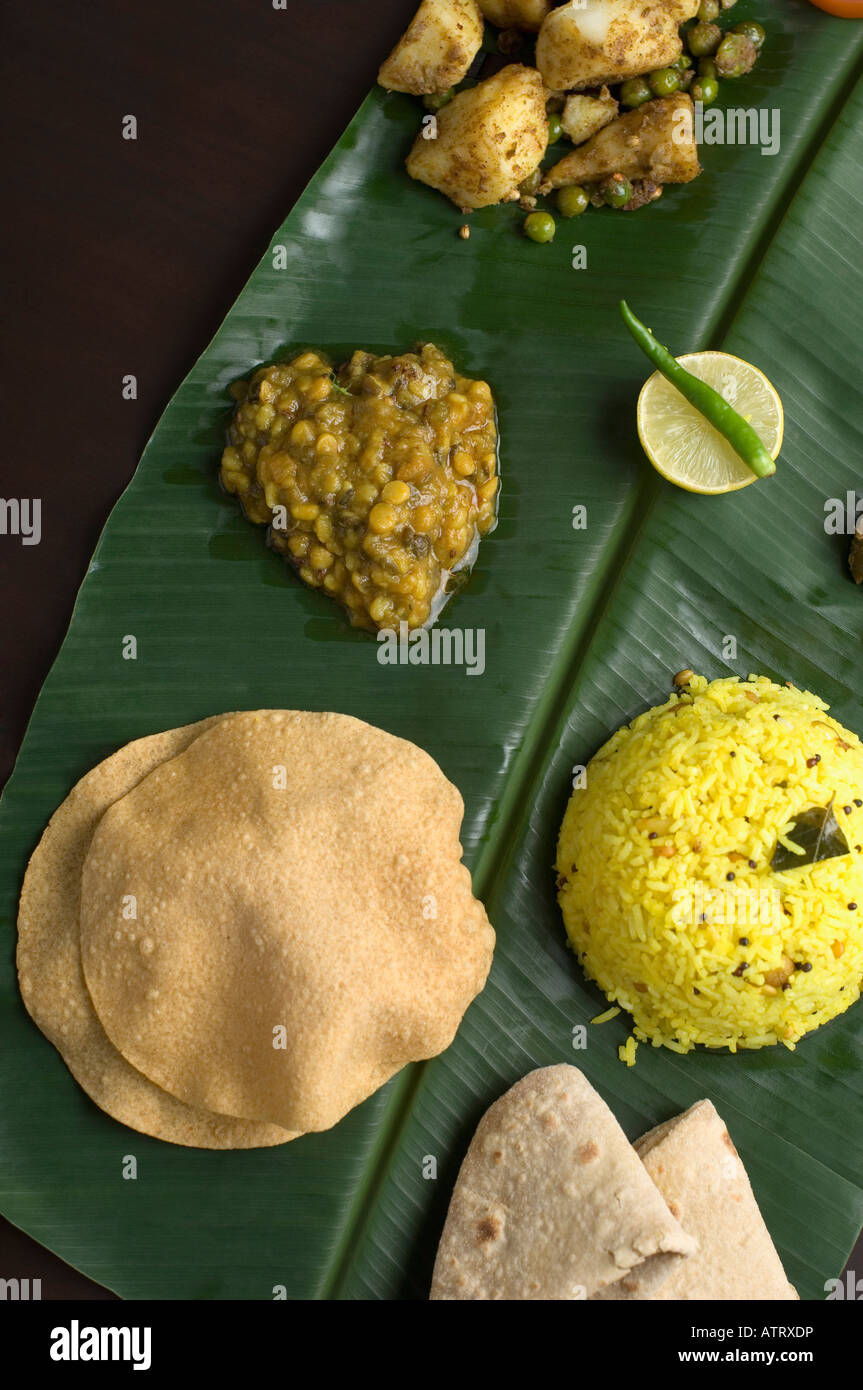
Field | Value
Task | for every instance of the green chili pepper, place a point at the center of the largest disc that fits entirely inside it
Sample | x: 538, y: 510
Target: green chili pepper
x: 739, y: 433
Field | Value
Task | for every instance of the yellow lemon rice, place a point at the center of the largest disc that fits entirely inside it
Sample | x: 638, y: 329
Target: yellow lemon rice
x: 664, y: 867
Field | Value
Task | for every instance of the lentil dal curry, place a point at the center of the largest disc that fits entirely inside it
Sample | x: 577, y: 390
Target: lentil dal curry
x: 377, y: 480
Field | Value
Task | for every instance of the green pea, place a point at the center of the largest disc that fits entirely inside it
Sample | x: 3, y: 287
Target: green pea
x: 635, y: 92
x: 703, y: 39
x: 616, y: 191
x: 751, y: 30
x: 664, y: 81
x: 683, y: 62
x: 510, y: 41
x: 437, y: 100
x: 709, y: 10
x: 540, y: 226
x: 572, y: 201
x: 705, y: 90
x: 735, y: 56
x: 555, y: 129
x: 529, y: 186
x: 707, y: 68
x: 686, y: 79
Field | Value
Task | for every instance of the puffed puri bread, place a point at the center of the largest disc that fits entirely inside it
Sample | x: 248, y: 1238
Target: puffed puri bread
x: 304, y: 923
x: 552, y: 1203
x: 49, y: 962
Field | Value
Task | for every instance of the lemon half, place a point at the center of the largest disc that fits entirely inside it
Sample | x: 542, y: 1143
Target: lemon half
x: 689, y: 451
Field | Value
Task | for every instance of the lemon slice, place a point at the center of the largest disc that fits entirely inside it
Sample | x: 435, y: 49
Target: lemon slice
x: 689, y: 451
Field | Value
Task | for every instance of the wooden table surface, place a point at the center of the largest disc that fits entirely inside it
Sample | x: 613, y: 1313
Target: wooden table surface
x: 124, y: 257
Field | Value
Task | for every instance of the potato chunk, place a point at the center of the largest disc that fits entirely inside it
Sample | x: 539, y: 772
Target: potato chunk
x: 516, y: 14
x: 583, y: 115
x: 589, y: 42
x: 489, y: 139
x: 656, y: 142
x: 437, y: 49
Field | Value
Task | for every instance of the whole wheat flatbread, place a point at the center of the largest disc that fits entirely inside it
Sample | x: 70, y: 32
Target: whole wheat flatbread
x: 693, y: 1162
x: 305, y: 925
x: 49, y: 962
x: 552, y: 1203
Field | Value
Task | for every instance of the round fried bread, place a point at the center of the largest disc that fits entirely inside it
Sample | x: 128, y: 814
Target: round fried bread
x: 305, y: 926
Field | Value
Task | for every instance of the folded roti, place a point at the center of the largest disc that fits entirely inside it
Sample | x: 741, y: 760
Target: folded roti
x: 693, y: 1162
x: 552, y: 1202
x: 49, y: 962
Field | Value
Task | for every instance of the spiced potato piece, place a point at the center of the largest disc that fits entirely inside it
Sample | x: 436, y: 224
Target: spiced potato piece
x: 516, y: 14
x: 437, y: 49
x: 590, y: 42
x: 489, y: 139
x: 656, y: 142
x: 584, y: 115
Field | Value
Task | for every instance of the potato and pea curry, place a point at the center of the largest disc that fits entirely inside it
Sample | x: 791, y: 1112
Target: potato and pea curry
x: 618, y: 80
x: 377, y: 481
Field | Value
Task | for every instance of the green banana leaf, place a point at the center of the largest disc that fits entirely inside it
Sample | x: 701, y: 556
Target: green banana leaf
x: 762, y: 256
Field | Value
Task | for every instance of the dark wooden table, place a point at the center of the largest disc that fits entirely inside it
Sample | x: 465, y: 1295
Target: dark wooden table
x: 123, y: 258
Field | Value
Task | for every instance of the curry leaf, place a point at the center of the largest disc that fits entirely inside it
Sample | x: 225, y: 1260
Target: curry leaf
x: 818, y: 834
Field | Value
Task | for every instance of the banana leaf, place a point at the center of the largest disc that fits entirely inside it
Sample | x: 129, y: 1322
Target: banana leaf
x: 762, y: 256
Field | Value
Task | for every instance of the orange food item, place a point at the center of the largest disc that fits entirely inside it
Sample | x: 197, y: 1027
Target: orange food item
x: 845, y: 9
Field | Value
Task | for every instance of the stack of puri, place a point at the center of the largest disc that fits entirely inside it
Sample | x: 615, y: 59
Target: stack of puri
x: 236, y: 931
